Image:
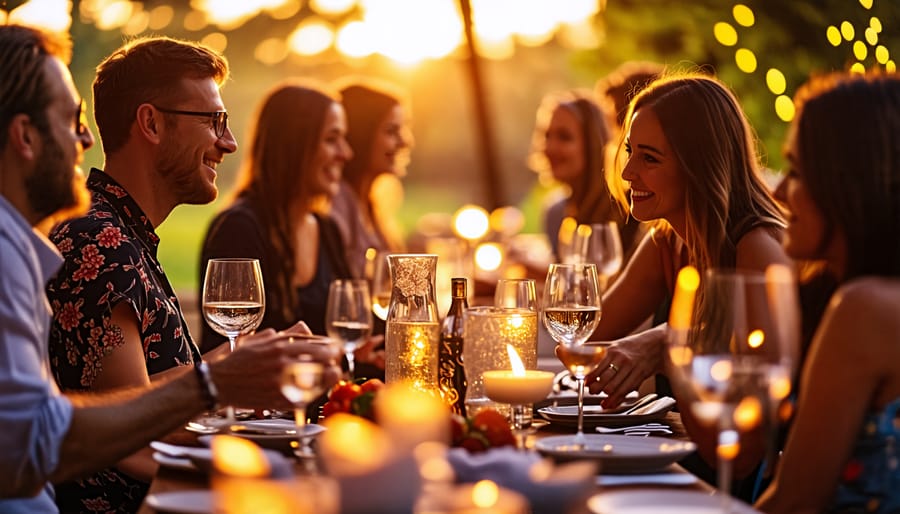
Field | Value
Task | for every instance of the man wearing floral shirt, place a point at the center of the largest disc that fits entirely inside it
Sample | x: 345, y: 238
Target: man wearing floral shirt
x: 117, y: 321
x: 47, y: 436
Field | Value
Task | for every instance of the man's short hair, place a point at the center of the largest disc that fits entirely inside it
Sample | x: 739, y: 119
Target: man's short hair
x: 23, y: 81
x: 147, y: 70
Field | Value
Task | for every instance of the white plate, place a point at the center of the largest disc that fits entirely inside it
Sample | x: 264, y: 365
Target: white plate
x: 284, y: 432
x: 174, y: 462
x: 666, y: 501
x: 617, y: 453
x: 595, y: 415
x: 183, y: 502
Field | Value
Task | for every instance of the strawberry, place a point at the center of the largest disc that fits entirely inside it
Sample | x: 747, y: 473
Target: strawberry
x: 343, y: 393
x: 495, y: 428
x: 373, y: 384
x: 474, y: 442
x: 459, y: 427
x: 330, y: 408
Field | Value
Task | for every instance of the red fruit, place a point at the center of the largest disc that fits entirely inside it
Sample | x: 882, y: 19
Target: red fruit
x: 330, y: 408
x: 344, y: 392
x: 474, y: 442
x: 373, y: 384
x: 495, y: 428
x: 459, y: 427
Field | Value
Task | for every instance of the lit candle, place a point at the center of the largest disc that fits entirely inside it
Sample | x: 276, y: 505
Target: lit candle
x: 683, y: 300
x: 517, y: 386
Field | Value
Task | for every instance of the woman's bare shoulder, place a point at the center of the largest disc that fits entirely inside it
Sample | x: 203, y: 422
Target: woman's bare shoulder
x: 759, y: 248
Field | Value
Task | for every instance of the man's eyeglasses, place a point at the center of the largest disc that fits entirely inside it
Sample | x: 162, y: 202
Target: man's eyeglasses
x: 81, y: 121
x: 219, y: 118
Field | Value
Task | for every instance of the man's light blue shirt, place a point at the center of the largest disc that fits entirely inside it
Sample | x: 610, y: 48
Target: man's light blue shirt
x: 34, y: 416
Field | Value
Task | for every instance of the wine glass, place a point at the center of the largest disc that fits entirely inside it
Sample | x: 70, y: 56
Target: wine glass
x: 233, y: 300
x: 736, y: 356
x: 380, y: 283
x: 348, y: 315
x: 301, y: 383
x: 603, y: 247
x: 571, y: 312
x: 515, y: 293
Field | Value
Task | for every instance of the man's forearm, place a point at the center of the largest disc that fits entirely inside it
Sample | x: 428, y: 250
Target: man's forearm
x: 109, y: 426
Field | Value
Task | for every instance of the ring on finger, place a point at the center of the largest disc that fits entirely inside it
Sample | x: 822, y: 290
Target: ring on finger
x: 613, y: 367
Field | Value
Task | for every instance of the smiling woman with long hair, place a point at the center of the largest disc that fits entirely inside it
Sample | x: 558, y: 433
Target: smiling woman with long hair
x: 279, y: 210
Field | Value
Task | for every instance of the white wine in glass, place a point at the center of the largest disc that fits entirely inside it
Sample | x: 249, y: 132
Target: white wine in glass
x: 301, y: 383
x: 348, y: 316
x: 571, y: 313
x: 233, y: 299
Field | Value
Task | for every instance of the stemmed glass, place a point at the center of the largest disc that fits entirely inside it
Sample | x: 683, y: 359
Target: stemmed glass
x: 571, y: 312
x: 301, y: 383
x: 348, y: 316
x: 233, y: 300
x: 380, y: 284
x: 603, y: 248
x: 736, y: 357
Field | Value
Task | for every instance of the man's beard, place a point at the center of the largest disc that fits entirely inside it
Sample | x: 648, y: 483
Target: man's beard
x: 54, y: 185
x: 183, y: 178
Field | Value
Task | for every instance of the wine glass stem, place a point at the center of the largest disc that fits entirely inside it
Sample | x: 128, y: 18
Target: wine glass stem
x: 726, y: 446
x: 579, y: 436
x: 351, y: 364
x: 229, y: 410
x: 300, y: 422
x: 518, y: 425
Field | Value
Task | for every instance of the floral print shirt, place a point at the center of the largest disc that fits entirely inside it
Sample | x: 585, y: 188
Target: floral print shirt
x: 110, y: 259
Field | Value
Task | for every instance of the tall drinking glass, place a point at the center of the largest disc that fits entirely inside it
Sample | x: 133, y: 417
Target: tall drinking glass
x: 233, y: 299
x: 604, y: 248
x: 380, y: 283
x: 736, y: 357
x: 348, y: 316
x: 570, y: 312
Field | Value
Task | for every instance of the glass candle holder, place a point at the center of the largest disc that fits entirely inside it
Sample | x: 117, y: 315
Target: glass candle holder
x: 487, y: 332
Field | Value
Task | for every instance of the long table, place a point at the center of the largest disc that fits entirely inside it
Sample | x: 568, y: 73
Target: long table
x: 169, y: 479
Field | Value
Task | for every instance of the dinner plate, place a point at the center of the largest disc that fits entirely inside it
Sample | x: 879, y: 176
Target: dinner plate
x: 174, y: 462
x: 596, y: 416
x: 617, y: 453
x: 669, y: 501
x: 276, y: 434
x: 183, y: 502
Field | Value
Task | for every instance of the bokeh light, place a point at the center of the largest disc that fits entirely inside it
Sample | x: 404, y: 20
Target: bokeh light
x: 858, y: 67
x: 784, y: 108
x: 725, y: 34
x: 743, y: 15
x: 833, y: 34
x: 311, y: 37
x: 746, y: 60
x: 875, y: 23
x: 847, y: 30
x: 871, y: 36
x: 881, y: 54
x: 775, y: 81
x: 860, y: 51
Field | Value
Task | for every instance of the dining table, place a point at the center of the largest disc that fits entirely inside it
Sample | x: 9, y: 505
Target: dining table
x: 169, y: 479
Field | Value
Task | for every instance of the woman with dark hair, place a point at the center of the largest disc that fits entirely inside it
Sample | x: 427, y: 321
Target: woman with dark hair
x: 378, y: 134
x: 279, y: 213
x: 843, y: 193
x: 568, y: 146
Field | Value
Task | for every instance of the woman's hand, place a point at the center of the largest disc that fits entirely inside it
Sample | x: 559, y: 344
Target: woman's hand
x: 368, y: 352
x: 628, y: 363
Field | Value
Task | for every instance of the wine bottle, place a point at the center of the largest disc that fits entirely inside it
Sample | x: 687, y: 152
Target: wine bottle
x: 451, y: 373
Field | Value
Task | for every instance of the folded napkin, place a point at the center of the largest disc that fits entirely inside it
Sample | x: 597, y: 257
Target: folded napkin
x: 548, y: 487
x: 662, y: 404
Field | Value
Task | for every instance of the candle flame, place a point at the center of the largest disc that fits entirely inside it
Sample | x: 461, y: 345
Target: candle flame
x: 518, y: 368
x: 485, y: 494
x: 683, y: 300
x: 756, y: 338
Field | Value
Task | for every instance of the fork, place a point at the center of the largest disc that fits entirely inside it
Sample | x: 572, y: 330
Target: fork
x: 651, y: 427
